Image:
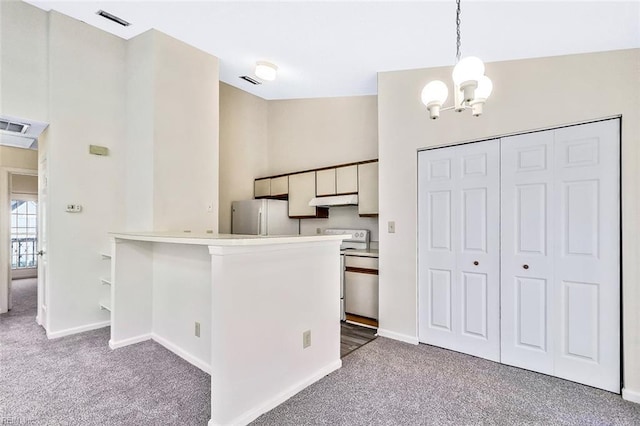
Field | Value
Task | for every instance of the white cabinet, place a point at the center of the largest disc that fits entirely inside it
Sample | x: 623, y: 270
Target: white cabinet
x: 279, y: 186
x: 262, y: 188
x: 347, y: 179
x: 302, y: 188
x: 361, y: 286
x: 326, y: 182
x: 368, y: 189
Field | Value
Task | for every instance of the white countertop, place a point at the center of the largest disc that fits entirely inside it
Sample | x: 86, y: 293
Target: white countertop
x: 206, y: 239
x: 363, y: 253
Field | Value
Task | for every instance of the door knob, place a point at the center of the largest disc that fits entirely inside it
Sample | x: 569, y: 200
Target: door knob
x: 525, y: 266
x: 41, y: 253
x: 476, y: 263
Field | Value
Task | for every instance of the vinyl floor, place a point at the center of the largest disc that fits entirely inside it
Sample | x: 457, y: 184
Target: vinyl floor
x: 353, y: 337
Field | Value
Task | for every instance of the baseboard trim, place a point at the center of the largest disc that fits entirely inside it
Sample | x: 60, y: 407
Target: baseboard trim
x: 76, y: 330
x: 632, y: 396
x: 397, y: 336
x: 191, y: 359
x: 272, y: 403
x: 129, y: 341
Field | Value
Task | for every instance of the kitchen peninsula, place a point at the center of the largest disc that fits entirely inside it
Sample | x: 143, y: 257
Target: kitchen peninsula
x: 260, y: 314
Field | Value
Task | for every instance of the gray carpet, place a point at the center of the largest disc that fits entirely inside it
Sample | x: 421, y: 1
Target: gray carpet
x: 392, y: 383
x: 78, y: 380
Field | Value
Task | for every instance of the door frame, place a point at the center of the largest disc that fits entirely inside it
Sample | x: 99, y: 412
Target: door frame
x: 5, y: 232
x: 621, y: 236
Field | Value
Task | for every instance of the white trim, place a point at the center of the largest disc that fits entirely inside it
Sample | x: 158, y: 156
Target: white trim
x: 256, y: 412
x: 632, y: 396
x: 191, y: 359
x: 76, y: 330
x: 397, y: 336
x: 129, y: 341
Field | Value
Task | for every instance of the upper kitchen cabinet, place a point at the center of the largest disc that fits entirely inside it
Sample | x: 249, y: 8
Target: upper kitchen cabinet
x: 326, y: 182
x: 347, y: 180
x: 280, y: 187
x: 368, y: 189
x: 276, y: 187
x: 302, y: 188
x: 262, y: 188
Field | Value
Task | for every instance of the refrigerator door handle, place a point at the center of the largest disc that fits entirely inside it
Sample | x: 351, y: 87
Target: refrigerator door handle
x: 260, y: 222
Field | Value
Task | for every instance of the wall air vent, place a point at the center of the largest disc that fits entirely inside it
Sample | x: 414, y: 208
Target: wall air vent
x: 113, y: 18
x: 250, y: 80
x: 11, y: 126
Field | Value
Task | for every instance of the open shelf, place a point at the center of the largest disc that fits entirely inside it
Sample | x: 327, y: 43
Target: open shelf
x: 106, y: 305
x: 105, y: 281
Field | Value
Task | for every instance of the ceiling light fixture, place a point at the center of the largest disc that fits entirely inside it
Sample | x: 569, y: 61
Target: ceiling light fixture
x: 266, y: 70
x: 471, y: 87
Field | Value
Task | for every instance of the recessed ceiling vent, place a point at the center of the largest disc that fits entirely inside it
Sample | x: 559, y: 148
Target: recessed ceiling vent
x: 113, y: 18
x: 250, y: 80
x: 13, y: 127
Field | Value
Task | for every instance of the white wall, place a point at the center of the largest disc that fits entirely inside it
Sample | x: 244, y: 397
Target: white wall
x: 24, y: 184
x: 185, y: 179
x: 86, y: 106
x: 312, y: 133
x: 172, y: 135
x: 528, y: 94
x: 243, y: 147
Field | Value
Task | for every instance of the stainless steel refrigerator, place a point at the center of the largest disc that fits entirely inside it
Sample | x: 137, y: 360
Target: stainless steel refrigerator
x: 262, y: 217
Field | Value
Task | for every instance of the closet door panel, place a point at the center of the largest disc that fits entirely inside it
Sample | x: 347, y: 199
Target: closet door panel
x: 587, y: 278
x: 436, y: 267
x: 527, y: 252
x: 459, y: 248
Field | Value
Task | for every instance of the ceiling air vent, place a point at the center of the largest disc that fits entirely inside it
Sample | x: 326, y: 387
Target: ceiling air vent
x: 11, y: 126
x: 113, y: 18
x: 250, y: 80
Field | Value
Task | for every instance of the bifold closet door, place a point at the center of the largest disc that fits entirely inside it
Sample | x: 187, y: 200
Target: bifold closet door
x: 458, y: 248
x: 560, y: 265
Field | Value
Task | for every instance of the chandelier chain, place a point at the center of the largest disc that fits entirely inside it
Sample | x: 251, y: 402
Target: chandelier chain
x: 458, y: 31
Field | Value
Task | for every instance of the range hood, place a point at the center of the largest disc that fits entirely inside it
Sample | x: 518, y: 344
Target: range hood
x: 335, y: 200
x: 20, y: 132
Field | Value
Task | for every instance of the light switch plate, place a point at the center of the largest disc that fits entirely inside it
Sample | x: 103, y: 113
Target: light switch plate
x: 391, y: 228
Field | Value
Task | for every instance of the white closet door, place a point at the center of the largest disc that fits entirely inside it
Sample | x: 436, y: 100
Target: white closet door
x: 586, y: 288
x: 527, y: 251
x: 560, y: 218
x: 459, y: 284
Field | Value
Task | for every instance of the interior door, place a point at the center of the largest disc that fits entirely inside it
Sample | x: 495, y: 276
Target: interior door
x: 43, y: 291
x: 458, y: 245
x: 561, y: 253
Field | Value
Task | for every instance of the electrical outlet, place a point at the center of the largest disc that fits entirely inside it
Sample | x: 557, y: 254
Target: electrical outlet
x: 318, y: 231
x: 391, y: 227
x: 197, y: 330
x: 306, y: 339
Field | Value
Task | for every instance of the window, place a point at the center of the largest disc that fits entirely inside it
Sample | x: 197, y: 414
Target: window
x: 24, y: 234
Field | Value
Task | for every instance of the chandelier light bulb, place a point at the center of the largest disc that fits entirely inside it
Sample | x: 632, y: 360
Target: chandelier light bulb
x: 482, y: 93
x: 485, y: 87
x: 469, y: 68
x: 266, y: 70
x: 466, y: 74
x: 434, y: 94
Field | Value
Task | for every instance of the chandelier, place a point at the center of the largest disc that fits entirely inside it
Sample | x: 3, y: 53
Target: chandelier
x: 471, y: 87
